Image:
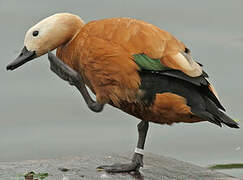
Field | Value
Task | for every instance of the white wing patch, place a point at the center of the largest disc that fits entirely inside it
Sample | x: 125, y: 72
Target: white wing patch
x: 185, y: 63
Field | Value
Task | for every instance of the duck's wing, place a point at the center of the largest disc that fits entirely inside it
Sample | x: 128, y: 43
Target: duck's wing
x: 155, y: 66
x: 166, y: 95
x: 150, y: 47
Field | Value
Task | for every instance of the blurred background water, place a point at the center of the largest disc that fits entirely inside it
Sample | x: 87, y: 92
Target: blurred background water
x: 44, y: 117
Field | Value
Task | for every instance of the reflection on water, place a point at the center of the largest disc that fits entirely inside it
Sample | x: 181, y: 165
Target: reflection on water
x: 43, y: 117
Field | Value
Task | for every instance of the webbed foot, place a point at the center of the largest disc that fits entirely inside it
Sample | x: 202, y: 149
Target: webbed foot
x: 135, y: 165
x: 63, y: 70
x: 74, y: 78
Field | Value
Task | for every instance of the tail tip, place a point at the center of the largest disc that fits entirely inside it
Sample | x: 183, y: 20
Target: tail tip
x: 234, y: 125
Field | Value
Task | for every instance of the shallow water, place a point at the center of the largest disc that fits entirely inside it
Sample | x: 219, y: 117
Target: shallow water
x: 43, y: 117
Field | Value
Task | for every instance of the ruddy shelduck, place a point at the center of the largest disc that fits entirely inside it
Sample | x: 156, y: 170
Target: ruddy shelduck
x: 131, y: 65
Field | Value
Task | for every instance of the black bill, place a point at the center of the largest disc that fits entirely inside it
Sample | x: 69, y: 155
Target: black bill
x: 24, y: 57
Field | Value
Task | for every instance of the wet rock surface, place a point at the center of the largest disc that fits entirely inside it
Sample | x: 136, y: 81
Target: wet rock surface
x: 84, y: 167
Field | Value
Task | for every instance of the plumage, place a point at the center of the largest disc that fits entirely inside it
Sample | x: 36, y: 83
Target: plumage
x: 144, y: 62
x: 110, y: 53
x: 196, y: 100
x: 131, y: 65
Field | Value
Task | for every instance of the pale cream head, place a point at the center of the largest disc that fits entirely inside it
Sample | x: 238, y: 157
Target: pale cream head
x: 52, y: 32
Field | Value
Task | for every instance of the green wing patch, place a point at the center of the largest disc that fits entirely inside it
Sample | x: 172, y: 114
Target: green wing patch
x: 145, y: 62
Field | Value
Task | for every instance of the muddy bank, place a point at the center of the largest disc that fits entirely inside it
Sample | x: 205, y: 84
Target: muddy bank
x: 84, y: 167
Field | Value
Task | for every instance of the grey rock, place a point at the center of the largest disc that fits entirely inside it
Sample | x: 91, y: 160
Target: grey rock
x: 84, y: 167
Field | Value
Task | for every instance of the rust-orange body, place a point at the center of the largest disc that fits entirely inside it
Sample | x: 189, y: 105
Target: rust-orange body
x: 102, y: 51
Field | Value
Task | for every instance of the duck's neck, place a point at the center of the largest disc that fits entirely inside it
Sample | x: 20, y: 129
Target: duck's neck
x: 71, y: 55
x: 67, y: 50
x: 68, y: 53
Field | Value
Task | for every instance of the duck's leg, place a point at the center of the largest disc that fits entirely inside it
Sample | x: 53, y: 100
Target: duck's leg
x: 68, y: 74
x: 137, y: 160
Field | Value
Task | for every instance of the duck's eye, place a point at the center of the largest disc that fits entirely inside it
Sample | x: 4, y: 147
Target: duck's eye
x: 35, y: 33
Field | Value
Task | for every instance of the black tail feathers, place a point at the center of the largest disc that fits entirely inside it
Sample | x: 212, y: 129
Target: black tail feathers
x: 227, y: 120
x: 216, y: 116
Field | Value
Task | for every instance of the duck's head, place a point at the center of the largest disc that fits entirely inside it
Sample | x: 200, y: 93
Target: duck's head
x: 50, y: 33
